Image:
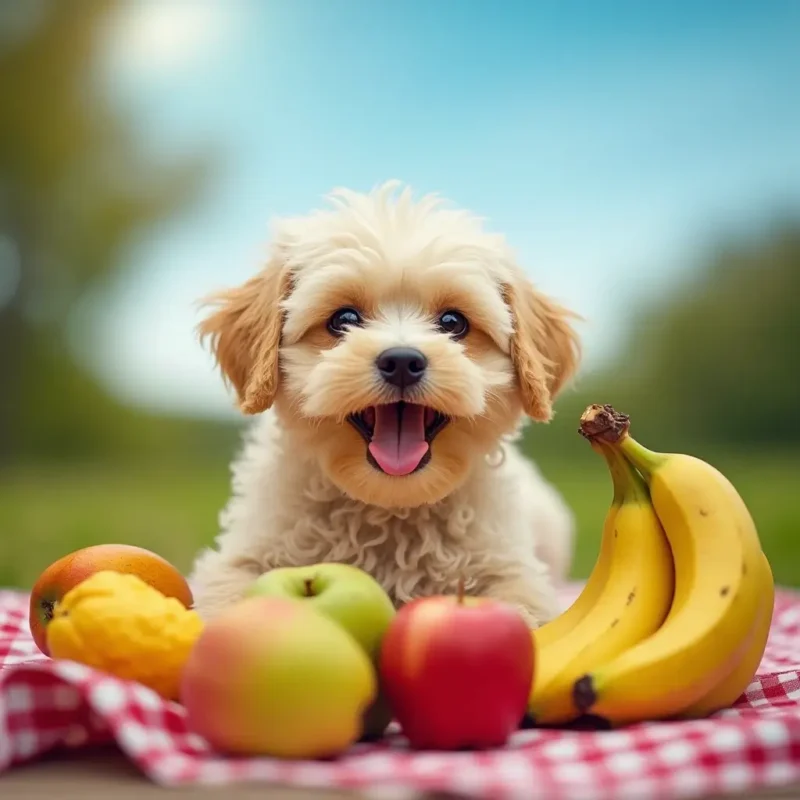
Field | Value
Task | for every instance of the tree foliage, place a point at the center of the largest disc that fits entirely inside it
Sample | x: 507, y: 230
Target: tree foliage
x: 718, y: 358
x: 76, y: 185
x: 713, y: 364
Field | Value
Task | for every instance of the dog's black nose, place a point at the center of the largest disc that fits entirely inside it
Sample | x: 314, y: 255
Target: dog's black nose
x: 401, y: 366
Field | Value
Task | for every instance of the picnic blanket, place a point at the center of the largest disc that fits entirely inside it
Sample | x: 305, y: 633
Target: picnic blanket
x: 46, y: 704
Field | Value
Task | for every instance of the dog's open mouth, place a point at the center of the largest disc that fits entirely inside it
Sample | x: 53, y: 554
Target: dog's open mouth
x: 398, y: 435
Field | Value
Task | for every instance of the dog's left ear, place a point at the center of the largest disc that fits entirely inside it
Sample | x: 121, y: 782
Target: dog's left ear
x: 545, y: 347
x: 245, y: 334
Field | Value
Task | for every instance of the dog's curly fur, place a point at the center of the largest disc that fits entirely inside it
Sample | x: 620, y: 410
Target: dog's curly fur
x: 305, y: 489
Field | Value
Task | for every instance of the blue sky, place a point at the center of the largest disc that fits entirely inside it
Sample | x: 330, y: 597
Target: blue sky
x: 608, y: 141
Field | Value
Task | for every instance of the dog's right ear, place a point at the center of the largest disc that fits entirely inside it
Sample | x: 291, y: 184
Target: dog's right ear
x: 245, y: 334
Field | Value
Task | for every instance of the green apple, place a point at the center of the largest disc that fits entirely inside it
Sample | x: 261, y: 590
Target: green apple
x: 348, y: 596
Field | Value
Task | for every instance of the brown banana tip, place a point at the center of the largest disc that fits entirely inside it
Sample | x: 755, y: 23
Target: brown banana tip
x: 603, y: 423
x: 583, y: 694
x: 528, y: 721
x: 590, y: 722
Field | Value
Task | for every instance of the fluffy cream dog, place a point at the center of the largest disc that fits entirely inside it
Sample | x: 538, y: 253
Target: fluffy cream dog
x: 397, y: 348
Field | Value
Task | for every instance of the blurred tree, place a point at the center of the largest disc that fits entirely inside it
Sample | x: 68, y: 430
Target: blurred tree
x: 718, y: 358
x: 712, y: 364
x: 75, y: 187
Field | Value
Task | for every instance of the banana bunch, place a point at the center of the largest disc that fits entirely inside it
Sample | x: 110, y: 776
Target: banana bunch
x: 674, y: 618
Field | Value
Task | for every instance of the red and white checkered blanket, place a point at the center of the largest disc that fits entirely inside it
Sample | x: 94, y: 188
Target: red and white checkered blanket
x: 46, y: 704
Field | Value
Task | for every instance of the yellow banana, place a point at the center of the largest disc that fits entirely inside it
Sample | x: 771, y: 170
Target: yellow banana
x: 565, y: 622
x: 630, y: 606
x: 731, y: 688
x: 719, y: 585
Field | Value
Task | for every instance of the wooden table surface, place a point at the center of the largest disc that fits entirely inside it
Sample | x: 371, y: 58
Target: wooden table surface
x: 105, y: 774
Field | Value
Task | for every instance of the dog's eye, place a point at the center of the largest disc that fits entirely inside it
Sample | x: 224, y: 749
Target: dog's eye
x: 454, y: 323
x: 343, y: 319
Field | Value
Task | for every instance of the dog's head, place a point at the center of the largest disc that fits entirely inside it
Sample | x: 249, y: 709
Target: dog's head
x: 397, y: 340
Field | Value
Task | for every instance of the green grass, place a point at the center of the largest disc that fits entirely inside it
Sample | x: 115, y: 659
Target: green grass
x: 46, y: 512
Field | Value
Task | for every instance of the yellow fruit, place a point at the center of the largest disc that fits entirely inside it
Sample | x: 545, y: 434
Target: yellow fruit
x: 77, y: 566
x: 564, y: 623
x: 719, y: 588
x: 744, y: 669
x: 631, y: 604
x: 119, y: 624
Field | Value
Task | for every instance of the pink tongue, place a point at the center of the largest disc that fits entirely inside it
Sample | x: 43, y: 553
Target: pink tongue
x: 398, y: 442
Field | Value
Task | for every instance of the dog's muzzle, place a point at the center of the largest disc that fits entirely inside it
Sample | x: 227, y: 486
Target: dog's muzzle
x: 398, y: 435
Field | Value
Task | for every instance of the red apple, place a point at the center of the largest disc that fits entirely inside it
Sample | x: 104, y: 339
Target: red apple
x: 74, y: 568
x: 458, y: 671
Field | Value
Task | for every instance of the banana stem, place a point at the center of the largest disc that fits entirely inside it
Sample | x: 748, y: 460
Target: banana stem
x: 646, y: 461
x: 617, y: 478
x: 628, y: 483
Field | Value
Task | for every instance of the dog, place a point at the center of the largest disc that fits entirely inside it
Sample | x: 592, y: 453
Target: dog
x: 392, y: 349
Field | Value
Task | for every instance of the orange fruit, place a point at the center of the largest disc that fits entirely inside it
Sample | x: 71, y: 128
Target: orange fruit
x: 76, y: 567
